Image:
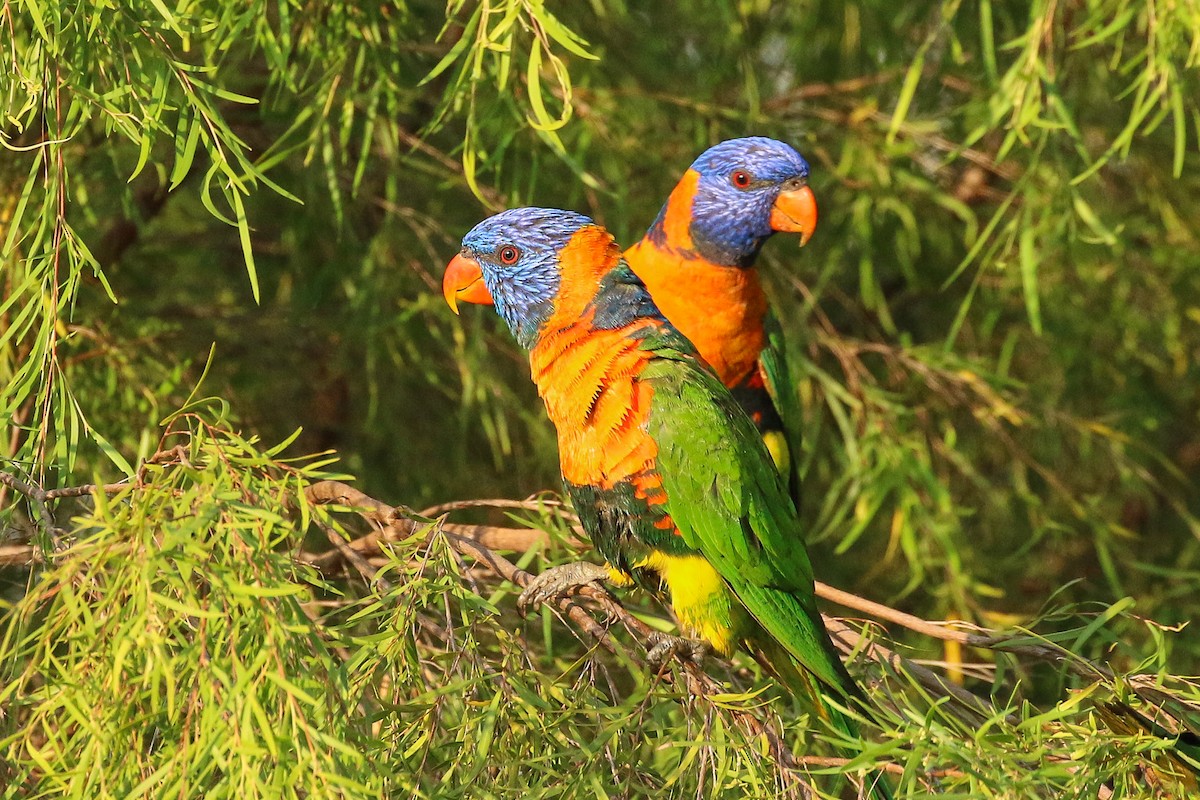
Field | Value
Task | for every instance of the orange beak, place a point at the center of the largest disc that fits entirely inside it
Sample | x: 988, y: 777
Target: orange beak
x: 463, y: 282
x: 795, y: 211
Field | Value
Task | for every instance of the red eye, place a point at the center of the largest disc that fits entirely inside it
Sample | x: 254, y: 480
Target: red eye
x: 741, y: 179
x: 508, y: 254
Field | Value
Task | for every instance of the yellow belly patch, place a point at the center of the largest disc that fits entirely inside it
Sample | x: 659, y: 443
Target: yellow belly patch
x: 777, y: 446
x: 703, y: 603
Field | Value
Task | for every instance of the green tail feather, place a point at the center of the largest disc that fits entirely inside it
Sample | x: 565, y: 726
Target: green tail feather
x: 801, y: 683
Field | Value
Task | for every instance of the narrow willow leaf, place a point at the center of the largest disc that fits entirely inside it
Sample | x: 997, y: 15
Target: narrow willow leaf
x: 35, y: 13
x: 206, y: 195
x: 145, y: 147
x: 1179, y: 117
x: 987, y: 39
x: 291, y: 688
x: 1119, y: 607
x: 225, y: 94
x: 1027, y: 253
x: 533, y: 82
x: 185, y: 150
x: 183, y: 608
x: 266, y: 730
x: 162, y: 9
x: 1119, y: 23
x: 907, y: 91
x: 1085, y: 212
x: 110, y: 452
x: 243, y: 226
x: 563, y: 35
x: 18, y: 216
x: 66, y: 418
x: 464, y: 40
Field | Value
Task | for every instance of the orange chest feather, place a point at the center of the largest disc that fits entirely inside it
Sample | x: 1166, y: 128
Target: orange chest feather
x: 589, y: 380
x: 720, y: 309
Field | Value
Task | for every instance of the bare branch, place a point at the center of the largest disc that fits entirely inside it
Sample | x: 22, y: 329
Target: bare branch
x: 946, y: 630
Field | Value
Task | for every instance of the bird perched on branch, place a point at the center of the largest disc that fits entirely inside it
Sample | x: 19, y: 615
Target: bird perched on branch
x: 669, y: 476
x: 698, y: 261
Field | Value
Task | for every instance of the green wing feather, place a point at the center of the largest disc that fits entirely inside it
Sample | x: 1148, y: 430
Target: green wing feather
x: 777, y: 376
x: 730, y: 504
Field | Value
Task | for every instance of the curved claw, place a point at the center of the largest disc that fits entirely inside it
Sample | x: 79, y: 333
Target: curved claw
x: 560, y: 580
x: 663, y: 646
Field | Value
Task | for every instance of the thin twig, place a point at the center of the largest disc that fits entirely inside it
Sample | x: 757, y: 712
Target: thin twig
x: 37, y: 497
x: 86, y: 489
x: 895, y: 769
x: 41, y: 498
x: 354, y: 558
x: 847, y: 639
x: 530, y: 504
x: 943, y: 630
x: 393, y: 524
x: 511, y: 572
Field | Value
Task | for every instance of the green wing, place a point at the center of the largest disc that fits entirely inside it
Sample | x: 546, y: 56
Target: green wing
x: 730, y: 504
x: 773, y: 364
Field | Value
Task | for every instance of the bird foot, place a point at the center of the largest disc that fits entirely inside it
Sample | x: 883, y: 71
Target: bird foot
x: 560, y: 580
x: 664, y: 646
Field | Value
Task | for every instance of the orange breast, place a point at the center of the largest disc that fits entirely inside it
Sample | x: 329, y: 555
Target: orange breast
x: 720, y: 309
x: 589, y: 381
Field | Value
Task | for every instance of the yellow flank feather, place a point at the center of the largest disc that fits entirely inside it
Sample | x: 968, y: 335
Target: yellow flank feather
x: 781, y: 454
x: 618, y: 578
x: 703, y: 603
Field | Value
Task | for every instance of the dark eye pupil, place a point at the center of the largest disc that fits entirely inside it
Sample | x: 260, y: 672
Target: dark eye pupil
x: 508, y: 254
x: 741, y: 179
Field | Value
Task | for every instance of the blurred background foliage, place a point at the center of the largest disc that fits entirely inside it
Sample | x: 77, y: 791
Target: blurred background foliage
x: 998, y: 319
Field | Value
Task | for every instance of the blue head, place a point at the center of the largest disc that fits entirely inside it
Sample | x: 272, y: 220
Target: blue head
x: 516, y: 255
x: 737, y: 194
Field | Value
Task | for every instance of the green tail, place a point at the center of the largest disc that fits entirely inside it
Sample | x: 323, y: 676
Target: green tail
x: 800, y: 683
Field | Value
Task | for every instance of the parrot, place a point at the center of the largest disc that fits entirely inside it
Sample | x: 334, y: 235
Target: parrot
x: 668, y: 474
x: 698, y: 261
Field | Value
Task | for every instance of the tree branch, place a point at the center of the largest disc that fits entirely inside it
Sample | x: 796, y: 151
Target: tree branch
x: 392, y: 524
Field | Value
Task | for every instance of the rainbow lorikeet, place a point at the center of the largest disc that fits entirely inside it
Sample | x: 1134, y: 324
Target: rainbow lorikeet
x: 698, y: 261
x: 669, y: 476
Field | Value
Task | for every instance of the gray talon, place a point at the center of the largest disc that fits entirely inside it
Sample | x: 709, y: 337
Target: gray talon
x: 559, y: 580
x: 664, y: 646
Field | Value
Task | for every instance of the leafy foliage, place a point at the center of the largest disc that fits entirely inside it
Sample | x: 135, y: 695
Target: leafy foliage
x: 996, y: 326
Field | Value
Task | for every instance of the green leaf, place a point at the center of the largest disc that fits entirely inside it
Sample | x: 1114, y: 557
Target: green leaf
x: 1027, y: 252
x: 35, y: 12
x: 15, y: 222
x: 172, y: 23
x: 1179, y: 116
x: 111, y: 453
x: 185, y: 151
x: 563, y: 35
x: 243, y: 227
x: 452, y: 55
x: 908, y: 90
